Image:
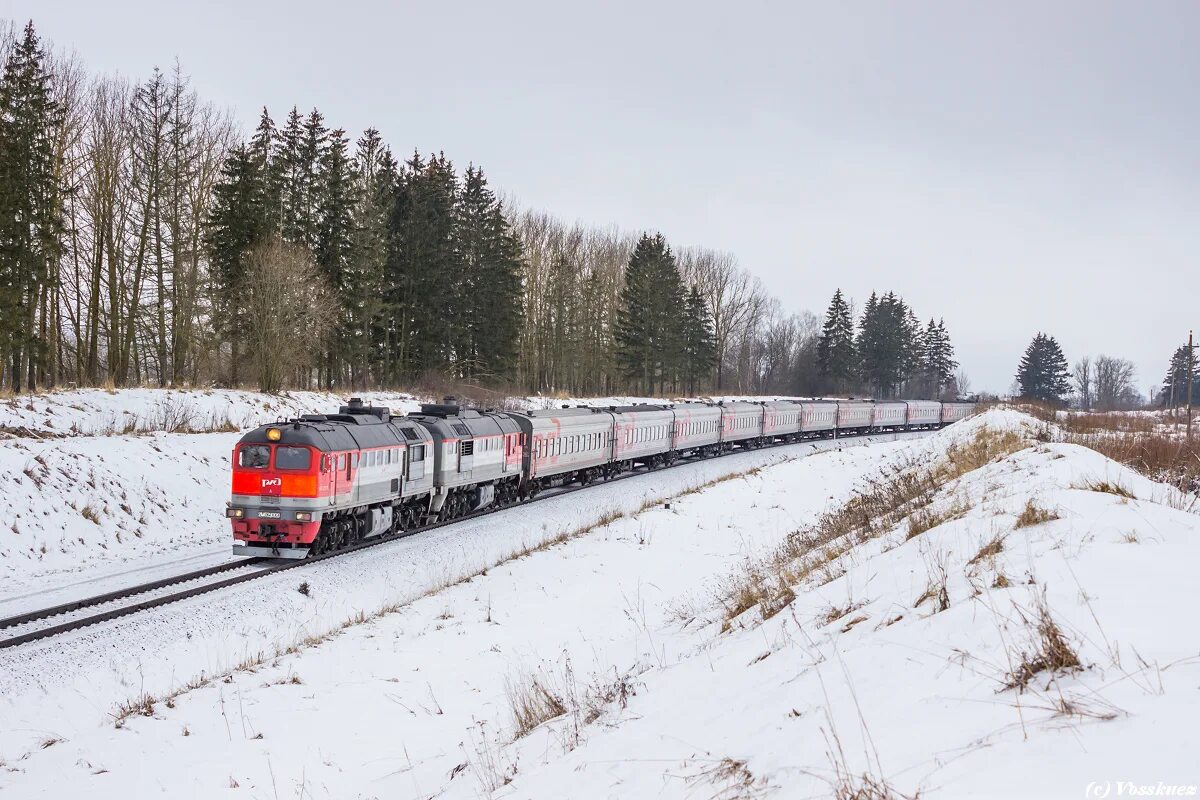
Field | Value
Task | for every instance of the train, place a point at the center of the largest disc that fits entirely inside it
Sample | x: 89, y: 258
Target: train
x: 323, y: 482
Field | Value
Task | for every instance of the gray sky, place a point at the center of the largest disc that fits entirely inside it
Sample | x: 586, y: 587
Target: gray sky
x: 1011, y: 167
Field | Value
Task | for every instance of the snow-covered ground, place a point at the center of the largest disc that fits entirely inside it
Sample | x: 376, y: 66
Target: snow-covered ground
x: 887, y: 666
x: 67, y: 687
x: 128, y: 411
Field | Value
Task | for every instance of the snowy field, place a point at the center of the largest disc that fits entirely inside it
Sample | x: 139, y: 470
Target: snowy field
x: 913, y: 661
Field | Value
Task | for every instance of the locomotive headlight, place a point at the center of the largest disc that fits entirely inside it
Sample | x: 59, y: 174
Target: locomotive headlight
x: 235, y: 513
x: 304, y: 516
x: 274, y: 434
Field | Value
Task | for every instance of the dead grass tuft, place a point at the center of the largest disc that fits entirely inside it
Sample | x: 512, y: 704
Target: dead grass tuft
x: 990, y: 549
x: 866, y: 787
x: 142, y: 705
x: 1051, y: 651
x: 1107, y: 487
x: 733, y: 780
x: 1033, y: 514
x: 532, y: 704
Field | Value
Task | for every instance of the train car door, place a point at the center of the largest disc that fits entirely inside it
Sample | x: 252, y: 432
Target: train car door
x: 416, y: 462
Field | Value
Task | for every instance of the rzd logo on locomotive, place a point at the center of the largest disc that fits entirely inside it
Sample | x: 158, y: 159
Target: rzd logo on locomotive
x: 268, y: 482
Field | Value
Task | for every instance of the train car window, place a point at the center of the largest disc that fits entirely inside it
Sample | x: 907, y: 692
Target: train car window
x: 416, y: 453
x: 293, y: 458
x: 255, y: 455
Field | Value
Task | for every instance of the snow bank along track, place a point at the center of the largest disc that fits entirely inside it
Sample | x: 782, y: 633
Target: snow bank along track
x: 35, y: 625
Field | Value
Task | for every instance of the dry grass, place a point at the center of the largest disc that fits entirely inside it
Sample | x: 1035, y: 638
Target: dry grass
x: 929, y: 518
x: 1149, y: 444
x: 537, y: 698
x: 1107, y: 487
x: 1050, y: 652
x: 1167, y: 459
x: 1033, y: 514
x: 733, y: 780
x: 990, y: 549
x: 866, y: 787
x: 903, y: 493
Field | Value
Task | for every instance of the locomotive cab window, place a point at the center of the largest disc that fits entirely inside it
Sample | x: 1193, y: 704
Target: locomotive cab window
x: 255, y: 455
x: 293, y: 458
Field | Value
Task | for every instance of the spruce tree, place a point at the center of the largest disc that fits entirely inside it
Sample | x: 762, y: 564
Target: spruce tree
x: 239, y: 219
x: 883, y: 343
x: 422, y: 272
x: 32, y: 229
x: 1042, y: 373
x: 490, y: 282
x: 1175, y: 384
x: 374, y: 194
x: 263, y: 153
x: 699, y: 342
x: 914, y: 348
x: 333, y: 193
x: 938, y: 362
x: 649, y: 333
x: 836, y: 352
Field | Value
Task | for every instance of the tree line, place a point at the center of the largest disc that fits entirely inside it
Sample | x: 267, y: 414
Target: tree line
x: 412, y: 267
x: 1100, y: 383
x: 889, y: 353
x: 145, y: 240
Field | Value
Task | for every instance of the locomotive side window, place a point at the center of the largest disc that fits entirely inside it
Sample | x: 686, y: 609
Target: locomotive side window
x: 293, y: 458
x: 255, y: 455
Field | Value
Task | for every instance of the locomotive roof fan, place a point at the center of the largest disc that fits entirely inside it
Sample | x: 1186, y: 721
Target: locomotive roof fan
x: 356, y: 407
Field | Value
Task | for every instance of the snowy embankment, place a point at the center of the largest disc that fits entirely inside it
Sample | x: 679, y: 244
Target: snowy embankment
x: 1021, y: 628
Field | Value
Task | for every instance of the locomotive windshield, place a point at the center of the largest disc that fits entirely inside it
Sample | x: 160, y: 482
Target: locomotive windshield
x: 255, y: 455
x: 292, y: 458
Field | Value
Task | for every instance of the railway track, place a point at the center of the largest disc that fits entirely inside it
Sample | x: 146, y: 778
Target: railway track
x: 52, y: 621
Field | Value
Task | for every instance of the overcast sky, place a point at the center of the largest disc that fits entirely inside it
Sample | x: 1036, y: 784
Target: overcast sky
x: 1013, y: 167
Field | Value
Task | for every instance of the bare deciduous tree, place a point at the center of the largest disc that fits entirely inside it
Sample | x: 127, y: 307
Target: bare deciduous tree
x: 1082, y: 377
x: 289, y: 311
x: 1113, y: 383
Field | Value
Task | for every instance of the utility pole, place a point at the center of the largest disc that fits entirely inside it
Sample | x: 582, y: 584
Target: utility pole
x: 1191, y: 365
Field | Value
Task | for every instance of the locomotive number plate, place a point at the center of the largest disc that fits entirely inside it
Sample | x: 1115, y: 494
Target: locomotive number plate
x: 269, y: 514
